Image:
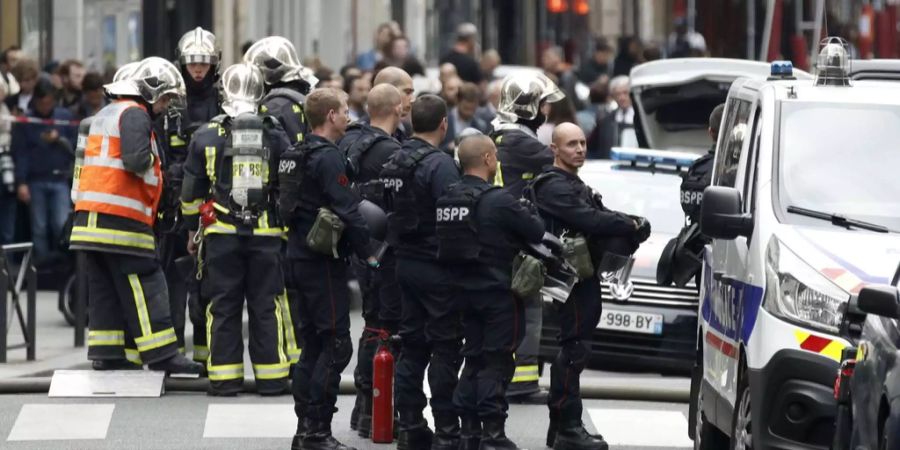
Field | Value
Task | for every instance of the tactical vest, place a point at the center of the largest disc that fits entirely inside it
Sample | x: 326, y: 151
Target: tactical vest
x: 371, y: 190
x: 455, y: 226
x: 296, y: 194
x: 297, y: 101
x: 695, y: 181
x: 406, y: 202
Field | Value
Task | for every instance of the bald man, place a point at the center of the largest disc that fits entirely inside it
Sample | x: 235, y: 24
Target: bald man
x: 401, y: 80
x: 368, y: 146
x: 483, y: 262
x: 569, y: 206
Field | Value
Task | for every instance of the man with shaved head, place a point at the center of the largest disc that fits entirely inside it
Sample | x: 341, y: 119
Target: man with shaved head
x: 368, y: 146
x: 401, y: 80
x: 480, y: 242
x: 568, y: 206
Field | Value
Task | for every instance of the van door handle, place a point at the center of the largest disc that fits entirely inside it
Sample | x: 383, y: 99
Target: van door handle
x: 725, y: 279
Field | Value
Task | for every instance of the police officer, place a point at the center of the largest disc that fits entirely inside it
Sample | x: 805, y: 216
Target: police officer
x: 233, y: 161
x: 118, y: 194
x: 430, y: 326
x: 287, y: 83
x: 316, y: 197
x: 699, y: 176
x: 522, y: 157
x: 367, y: 148
x: 401, y: 80
x: 482, y: 227
x: 198, y: 60
x: 569, y: 207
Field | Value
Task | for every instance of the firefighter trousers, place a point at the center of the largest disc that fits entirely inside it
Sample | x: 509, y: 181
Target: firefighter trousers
x: 173, y: 246
x: 238, y: 268
x: 527, y: 373
x: 128, y: 295
x: 493, y: 325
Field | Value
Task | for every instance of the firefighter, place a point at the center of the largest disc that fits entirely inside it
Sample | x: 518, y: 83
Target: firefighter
x: 368, y: 147
x: 522, y: 157
x: 316, y: 202
x: 481, y: 228
x: 232, y: 161
x: 118, y: 194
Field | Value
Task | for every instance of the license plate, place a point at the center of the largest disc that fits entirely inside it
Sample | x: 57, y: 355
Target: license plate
x: 634, y: 322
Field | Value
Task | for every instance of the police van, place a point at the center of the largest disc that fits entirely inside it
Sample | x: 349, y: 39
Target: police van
x: 804, y: 210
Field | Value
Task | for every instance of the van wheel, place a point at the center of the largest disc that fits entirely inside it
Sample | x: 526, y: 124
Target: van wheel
x: 741, y: 422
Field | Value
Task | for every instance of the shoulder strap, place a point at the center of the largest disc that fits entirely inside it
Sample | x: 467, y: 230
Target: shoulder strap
x: 289, y: 94
x: 529, y: 192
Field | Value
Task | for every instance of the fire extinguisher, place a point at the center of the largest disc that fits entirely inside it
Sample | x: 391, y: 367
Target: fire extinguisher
x: 383, y: 391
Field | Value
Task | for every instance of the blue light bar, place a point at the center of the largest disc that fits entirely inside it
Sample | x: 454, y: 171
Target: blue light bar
x: 653, y: 157
x: 782, y: 69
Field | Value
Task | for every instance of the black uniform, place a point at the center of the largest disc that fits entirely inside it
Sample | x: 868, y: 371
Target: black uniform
x: 699, y: 176
x: 430, y: 325
x: 285, y: 102
x: 568, y: 205
x: 493, y: 316
x: 521, y: 158
x: 242, y: 257
x: 321, y: 280
x: 367, y: 150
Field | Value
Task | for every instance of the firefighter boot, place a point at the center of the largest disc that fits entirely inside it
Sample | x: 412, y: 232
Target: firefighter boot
x: 414, y: 433
x: 364, y: 417
x: 470, y: 433
x: 317, y: 436
x: 297, y: 442
x: 554, y: 426
x: 446, y: 432
x: 178, y: 365
x: 494, y: 436
x: 573, y: 436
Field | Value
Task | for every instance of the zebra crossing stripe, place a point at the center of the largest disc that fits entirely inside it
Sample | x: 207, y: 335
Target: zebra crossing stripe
x: 620, y: 427
x: 54, y: 422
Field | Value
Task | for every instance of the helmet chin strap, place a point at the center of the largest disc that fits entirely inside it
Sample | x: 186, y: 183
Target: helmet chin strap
x: 533, y: 124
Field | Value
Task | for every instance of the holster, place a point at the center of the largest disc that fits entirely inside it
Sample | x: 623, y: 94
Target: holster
x: 325, y: 233
x: 577, y: 253
x: 528, y: 276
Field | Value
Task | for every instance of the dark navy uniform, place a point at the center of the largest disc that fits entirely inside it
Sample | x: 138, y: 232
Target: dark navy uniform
x: 698, y: 177
x: 430, y: 326
x: 367, y: 149
x: 568, y: 205
x: 521, y: 157
x: 321, y: 280
x: 286, y: 104
x: 493, y: 317
x: 242, y: 257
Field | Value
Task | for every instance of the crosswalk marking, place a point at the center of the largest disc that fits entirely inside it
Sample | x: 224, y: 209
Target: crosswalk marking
x: 250, y: 421
x: 46, y: 422
x: 665, y: 429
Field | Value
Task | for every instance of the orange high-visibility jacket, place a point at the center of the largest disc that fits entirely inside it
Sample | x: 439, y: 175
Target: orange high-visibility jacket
x: 104, y: 185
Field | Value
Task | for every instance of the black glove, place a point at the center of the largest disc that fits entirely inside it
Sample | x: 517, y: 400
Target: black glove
x: 553, y: 243
x: 643, y: 228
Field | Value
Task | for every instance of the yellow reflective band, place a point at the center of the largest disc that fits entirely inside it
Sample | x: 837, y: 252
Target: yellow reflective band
x: 498, y: 177
x: 525, y: 378
x: 181, y: 350
x: 226, y: 372
x: 263, y: 108
x: 292, y: 349
x: 499, y: 139
x: 221, y: 208
x: 92, y: 219
x: 176, y: 141
x: 526, y: 374
x: 105, y: 337
x: 279, y: 323
x: 210, y: 153
x: 296, y: 108
x: 191, y: 208
x: 224, y: 228
x: 156, y: 340
x: 134, y: 356
x: 527, y: 176
x: 271, y: 371
x: 299, y: 137
x: 137, y: 291
x: 113, y: 237
x: 201, y: 353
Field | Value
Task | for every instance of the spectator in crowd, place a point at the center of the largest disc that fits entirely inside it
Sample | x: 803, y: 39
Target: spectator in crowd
x: 26, y: 72
x: 619, y: 88
x: 597, y: 120
x: 652, y: 52
x: 8, y: 59
x: 598, y: 99
x: 71, y: 74
x: 488, y: 111
x: 357, y: 89
x: 7, y: 183
x: 328, y: 78
x: 398, y: 51
x: 599, y: 64
x: 685, y: 43
x: 463, y: 115
x: 447, y: 71
x: 384, y: 34
x: 413, y: 66
x: 490, y: 61
x: 450, y: 91
x: 44, y: 155
x: 462, y: 53
x: 50, y: 71
x: 349, y: 70
x: 557, y: 113
x: 554, y: 66
x: 631, y: 53
x: 93, y: 98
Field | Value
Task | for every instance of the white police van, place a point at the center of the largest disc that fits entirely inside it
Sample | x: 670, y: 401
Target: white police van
x: 803, y: 211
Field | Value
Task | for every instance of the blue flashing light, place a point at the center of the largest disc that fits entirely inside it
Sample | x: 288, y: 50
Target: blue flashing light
x: 653, y: 157
x: 782, y: 69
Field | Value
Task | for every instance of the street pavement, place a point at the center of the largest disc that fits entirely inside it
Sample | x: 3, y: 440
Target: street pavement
x: 192, y: 420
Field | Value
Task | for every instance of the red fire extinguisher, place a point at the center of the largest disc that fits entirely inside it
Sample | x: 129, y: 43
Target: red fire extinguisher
x: 383, y: 391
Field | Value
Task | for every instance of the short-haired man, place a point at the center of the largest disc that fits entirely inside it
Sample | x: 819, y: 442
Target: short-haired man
x: 71, y: 73
x: 92, y: 99
x: 357, y: 87
x: 403, y: 82
x: 463, y: 114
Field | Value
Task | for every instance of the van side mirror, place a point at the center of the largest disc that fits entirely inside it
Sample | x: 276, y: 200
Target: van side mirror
x: 720, y: 214
x: 880, y: 300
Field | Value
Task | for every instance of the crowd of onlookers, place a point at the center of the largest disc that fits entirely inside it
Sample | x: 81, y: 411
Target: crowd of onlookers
x: 468, y: 79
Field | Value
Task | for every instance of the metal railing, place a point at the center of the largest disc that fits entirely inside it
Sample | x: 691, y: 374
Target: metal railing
x: 12, y: 283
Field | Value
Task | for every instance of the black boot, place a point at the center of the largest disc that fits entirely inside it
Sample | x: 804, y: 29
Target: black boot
x: 364, y: 421
x: 573, y: 436
x: 354, y: 415
x: 114, y: 364
x: 317, y: 436
x: 446, y: 432
x: 494, y: 436
x: 413, y: 433
x: 178, y: 365
x: 297, y: 442
x: 470, y: 433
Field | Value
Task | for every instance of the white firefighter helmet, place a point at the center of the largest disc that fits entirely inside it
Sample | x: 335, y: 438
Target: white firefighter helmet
x: 277, y: 59
x: 153, y: 78
x: 242, y: 87
x: 198, y: 46
x: 522, y: 93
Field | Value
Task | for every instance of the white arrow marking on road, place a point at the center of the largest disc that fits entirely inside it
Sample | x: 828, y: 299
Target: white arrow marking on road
x: 639, y: 427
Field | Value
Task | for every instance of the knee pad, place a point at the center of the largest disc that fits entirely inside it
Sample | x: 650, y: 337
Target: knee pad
x: 574, y: 354
x: 501, y: 364
x: 341, y: 350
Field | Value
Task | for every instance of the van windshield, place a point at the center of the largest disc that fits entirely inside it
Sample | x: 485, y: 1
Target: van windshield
x: 841, y: 159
